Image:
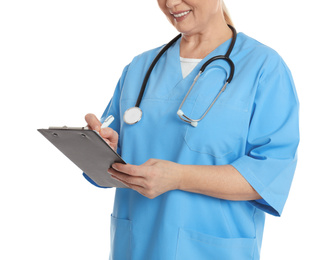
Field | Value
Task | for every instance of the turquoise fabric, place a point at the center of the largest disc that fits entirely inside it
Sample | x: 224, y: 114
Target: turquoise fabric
x: 252, y: 126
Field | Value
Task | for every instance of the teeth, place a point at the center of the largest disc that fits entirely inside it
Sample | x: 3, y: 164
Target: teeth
x: 181, y: 14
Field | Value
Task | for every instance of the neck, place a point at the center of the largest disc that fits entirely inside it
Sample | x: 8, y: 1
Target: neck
x: 199, y: 45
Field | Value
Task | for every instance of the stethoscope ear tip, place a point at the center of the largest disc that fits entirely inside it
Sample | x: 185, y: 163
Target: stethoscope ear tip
x: 180, y: 113
x: 194, y: 124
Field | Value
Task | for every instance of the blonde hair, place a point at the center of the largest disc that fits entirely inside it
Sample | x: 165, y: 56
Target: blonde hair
x: 226, y: 14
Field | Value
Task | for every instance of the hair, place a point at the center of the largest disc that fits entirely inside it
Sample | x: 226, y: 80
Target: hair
x: 226, y: 14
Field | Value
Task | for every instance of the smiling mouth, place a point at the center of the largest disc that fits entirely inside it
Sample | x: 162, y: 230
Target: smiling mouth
x: 181, y: 14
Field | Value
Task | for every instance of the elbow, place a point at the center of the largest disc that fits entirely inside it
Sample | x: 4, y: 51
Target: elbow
x: 246, y: 194
x: 255, y: 195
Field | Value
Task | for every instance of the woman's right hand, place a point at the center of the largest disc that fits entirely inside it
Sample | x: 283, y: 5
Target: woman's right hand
x: 108, y: 134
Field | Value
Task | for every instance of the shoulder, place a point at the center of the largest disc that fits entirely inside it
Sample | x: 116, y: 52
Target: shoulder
x: 140, y: 63
x: 252, y: 47
x: 138, y: 67
x: 266, y: 59
x: 146, y: 57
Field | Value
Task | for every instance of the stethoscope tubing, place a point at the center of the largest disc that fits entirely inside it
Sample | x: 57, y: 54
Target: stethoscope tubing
x: 221, y: 57
x: 136, y: 109
x: 145, y: 80
x: 203, y: 67
x: 189, y: 120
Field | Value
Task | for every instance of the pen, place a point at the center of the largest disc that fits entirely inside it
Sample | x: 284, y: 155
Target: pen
x: 107, y: 121
x: 105, y: 124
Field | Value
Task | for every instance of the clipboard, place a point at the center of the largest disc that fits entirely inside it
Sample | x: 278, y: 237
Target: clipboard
x: 87, y: 150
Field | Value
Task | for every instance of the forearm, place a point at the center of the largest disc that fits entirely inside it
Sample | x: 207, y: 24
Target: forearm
x: 222, y: 181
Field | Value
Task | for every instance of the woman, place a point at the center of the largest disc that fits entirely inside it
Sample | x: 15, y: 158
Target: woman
x: 201, y: 192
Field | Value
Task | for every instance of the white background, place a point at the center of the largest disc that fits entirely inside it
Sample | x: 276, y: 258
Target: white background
x: 61, y: 59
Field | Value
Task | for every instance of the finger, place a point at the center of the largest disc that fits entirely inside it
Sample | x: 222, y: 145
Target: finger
x: 129, y: 169
x: 93, y: 122
x: 137, y: 188
x: 127, y: 184
x: 142, y: 191
x: 127, y: 179
x: 111, y: 135
x: 108, y: 142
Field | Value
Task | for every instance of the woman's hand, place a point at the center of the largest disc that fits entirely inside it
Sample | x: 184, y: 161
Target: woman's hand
x: 108, y: 134
x: 155, y: 177
x: 150, y: 179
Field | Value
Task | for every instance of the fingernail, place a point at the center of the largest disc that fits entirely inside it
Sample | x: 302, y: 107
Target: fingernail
x: 114, y: 167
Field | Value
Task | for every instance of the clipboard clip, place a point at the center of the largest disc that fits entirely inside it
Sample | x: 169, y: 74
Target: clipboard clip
x: 67, y: 128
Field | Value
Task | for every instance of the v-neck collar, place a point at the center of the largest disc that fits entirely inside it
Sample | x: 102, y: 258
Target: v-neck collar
x: 169, y: 73
x: 175, y: 54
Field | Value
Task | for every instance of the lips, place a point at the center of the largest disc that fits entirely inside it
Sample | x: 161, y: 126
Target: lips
x: 181, y: 14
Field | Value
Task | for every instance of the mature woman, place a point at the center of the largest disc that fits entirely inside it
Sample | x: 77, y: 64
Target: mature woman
x: 200, y: 189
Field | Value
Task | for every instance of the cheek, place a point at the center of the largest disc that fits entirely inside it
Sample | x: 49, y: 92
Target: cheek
x: 162, y: 6
x: 164, y: 10
x: 169, y: 17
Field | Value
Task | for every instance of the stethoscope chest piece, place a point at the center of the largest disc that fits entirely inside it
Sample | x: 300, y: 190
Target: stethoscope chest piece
x: 132, y: 115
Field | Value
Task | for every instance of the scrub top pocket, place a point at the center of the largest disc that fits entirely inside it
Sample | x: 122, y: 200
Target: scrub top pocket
x: 221, y: 131
x: 120, y: 239
x: 225, y: 123
x: 197, y: 246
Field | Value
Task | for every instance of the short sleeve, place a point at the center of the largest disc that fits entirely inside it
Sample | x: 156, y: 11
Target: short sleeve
x: 271, y: 153
x: 112, y: 109
x: 113, y: 106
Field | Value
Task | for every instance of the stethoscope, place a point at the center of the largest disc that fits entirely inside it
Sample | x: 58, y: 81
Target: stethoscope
x: 134, y: 114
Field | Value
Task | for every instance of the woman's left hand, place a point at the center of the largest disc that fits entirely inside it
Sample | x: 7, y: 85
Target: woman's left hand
x: 150, y: 179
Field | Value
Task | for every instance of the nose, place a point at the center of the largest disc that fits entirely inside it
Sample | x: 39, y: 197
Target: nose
x: 172, y: 3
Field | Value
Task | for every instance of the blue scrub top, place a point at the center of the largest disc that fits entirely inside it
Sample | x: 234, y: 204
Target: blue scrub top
x: 252, y: 126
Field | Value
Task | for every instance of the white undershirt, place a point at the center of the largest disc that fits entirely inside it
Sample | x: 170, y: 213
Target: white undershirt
x: 188, y: 65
